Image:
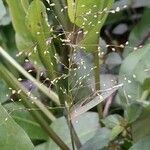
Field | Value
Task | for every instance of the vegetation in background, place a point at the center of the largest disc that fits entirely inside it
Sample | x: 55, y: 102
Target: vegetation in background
x: 74, y: 74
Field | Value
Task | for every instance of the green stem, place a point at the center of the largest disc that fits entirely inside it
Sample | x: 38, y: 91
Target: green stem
x: 71, y: 131
x: 52, y: 95
x: 31, y: 103
x: 97, y: 80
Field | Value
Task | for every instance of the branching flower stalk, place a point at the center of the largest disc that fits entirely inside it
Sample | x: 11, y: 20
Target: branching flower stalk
x: 66, y: 52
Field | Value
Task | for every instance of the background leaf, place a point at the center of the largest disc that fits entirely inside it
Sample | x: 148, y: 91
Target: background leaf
x: 133, y: 72
x: 100, y: 140
x: 141, y: 128
x: 80, y: 124
x: 133, y: 111
x: 12, y: 136
x: 24, y: 119
x: 143, y: 144
x: 138, y: 33
x: 23, y: 37
x: 24, y: 40
x: 113, y: 120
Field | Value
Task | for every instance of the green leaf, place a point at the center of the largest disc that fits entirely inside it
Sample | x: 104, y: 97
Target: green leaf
x: 25, y: 5
x: 90, y: 16
x: 133, y: 111
x: 4, y: 91
x: 116, y: 123
x: 23, y: 37
x: 116, y: 131
x: 100, y: 140
x: 134, y: 70
x: 142, y: 144
x: 12, y: 135
x: 140, y: 127
x: 113, y: 120
x: 8, y: 40
x: 24, y: 40
x: 24, y: 119
x: 37, y: 23
x: 146, y: 84
x: 139, y: 32
x: 85, y: 125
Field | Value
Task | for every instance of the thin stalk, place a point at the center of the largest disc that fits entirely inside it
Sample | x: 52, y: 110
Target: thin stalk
x: 66, y: 50
x: 52, y: 95
x: 70, y: 129
x: 29, y: 103
x: 75, y: 136
x: 97, y: 80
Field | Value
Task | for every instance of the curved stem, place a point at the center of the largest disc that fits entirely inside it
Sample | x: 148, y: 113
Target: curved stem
x: 52, y: 95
